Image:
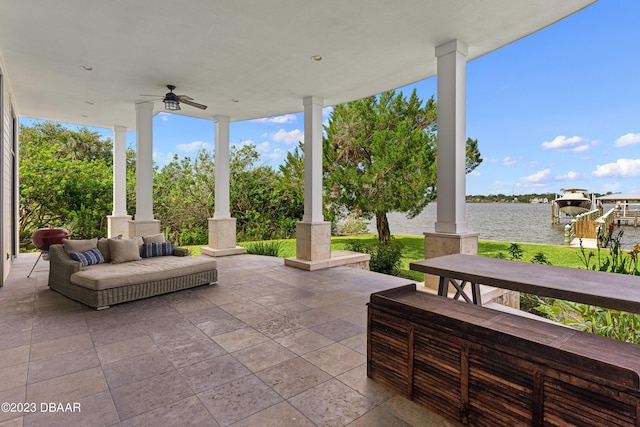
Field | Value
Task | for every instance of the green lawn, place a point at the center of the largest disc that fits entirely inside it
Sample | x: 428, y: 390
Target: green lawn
x: 413, y: 250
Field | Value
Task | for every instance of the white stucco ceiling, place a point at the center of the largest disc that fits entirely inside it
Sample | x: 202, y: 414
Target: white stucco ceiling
x: 254, y: 51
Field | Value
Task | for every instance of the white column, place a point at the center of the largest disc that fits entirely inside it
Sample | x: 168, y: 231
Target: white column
x: 118, y: 223
x: 313, y: 159
x: 221, y: 151
x: 119, y: 171
x: 452, y: 136
x: 451, y: 234
x: 222, y: 227
x: 313, y: 234
x: 144, y: 162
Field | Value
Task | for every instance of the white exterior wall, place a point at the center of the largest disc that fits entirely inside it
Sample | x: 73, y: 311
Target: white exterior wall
x: 8, y: 217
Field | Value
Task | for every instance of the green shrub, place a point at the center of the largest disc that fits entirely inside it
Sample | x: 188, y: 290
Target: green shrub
x: 353, y: 224
x: 197, y: 235
x: 266, y: 248
x: 384, y: 259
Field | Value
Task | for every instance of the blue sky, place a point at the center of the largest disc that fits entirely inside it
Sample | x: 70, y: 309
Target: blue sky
x: 558, y: 109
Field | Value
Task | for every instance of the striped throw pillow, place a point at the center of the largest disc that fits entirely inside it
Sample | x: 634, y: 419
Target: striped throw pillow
x: 90, y: 257
x: 150, y: 250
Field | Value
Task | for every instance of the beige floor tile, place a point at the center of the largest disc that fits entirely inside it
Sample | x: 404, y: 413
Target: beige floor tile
x: 335, y: 359
x: 14, y: 356
x: 125, y: 349
x: 68, y: 388
x: 280, y: 415
x: 239, y: 339
x: 60, y: 346
x: 331, y: 404
x: 293, y: 377
x: 13, y: 376
x: 263, y: 356
x: 304, y: 341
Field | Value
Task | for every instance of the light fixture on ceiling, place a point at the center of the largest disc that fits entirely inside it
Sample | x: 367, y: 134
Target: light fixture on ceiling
x: 171, y: 100
x: 316, y: 58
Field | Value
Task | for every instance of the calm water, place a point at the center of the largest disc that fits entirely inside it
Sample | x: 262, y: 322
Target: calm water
x: 507, y: 222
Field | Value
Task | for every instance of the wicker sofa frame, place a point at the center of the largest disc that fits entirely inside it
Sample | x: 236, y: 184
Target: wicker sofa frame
x: 62, y: 267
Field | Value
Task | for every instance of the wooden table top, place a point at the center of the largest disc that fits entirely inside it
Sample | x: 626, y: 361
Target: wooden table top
x: 609, y: 290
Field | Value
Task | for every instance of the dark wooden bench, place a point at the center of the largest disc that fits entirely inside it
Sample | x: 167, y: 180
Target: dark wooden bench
x: 484, y: 367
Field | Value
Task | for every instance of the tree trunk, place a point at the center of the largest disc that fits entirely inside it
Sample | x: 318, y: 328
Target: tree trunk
x: 382, y: 224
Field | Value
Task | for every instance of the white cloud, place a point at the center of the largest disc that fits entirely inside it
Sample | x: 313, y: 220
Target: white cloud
x: 287, y: 118
x: 622, y: 168
x: 276, y: 156
x: 536, y: 177
x: 291, y: 137
x: 580, y: 148
x: 164, y: 116
x: 574, y: 144
x: 263, y: 147
x: 193, y: 147
x: 162, y: 159
x: 568, y: 175
x: 508, y: 161
x: 628, y: 139
x: 243, y: 143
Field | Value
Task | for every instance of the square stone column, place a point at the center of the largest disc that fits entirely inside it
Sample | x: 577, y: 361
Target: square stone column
x: 313, y: 250
x: 117, y: 225
x: 222, y: 238
x: 440, y: 244
x: 313, y: 246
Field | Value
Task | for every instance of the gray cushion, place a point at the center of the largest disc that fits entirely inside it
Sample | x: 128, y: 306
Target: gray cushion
x: 124, y: 250
x: 154, y: 238
x: 79, y: 245
x: 103, y: 246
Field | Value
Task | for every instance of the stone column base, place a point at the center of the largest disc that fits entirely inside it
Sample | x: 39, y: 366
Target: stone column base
x: 118, y: 224
x: 222, y: 238
x: 439, y: 244
x: 337, y: 259
x: 313, y: 240
x: 143, y: 227
x: 313, y: 246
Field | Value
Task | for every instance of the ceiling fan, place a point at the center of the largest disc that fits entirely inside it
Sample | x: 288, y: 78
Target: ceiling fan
x: 172, y: 101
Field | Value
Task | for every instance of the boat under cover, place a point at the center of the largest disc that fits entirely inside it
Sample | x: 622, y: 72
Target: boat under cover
x: 574, y: 201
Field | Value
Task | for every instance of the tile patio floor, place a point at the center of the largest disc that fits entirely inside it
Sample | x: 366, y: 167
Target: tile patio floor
x: 268, y: 345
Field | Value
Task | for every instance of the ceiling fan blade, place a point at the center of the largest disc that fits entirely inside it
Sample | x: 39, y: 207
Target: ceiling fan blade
x: 184, y: 98
x: 193, y: 104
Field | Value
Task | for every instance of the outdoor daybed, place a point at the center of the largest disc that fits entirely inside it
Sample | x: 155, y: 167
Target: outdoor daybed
x: 103, y: 272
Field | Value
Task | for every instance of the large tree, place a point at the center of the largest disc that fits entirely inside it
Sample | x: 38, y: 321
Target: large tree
x: 65, y: 179
x: 380, y: 156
